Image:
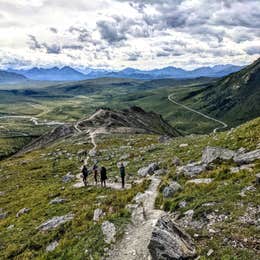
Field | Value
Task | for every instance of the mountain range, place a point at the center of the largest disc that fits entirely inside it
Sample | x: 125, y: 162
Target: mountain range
x: 70, y: 74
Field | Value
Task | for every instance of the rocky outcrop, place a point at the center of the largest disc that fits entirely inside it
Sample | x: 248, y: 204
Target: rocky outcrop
x: 210, y: 154
x: 170, y: 190
x: 149, y: 170
x: 191, y: 169
x: 168, y: 241
x: 241, y: 158
x: 55, y: 222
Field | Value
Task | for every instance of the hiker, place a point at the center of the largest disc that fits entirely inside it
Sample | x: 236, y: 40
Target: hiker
x: 103, y: 176
x: 95, y: 171
x: 85, y: 174
x: 122, y: 174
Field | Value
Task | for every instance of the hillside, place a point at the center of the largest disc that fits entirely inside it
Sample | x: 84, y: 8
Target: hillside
x: 57, y: 218
x: 105, y: 121
x: 235, y: 98
x: 11, y: 77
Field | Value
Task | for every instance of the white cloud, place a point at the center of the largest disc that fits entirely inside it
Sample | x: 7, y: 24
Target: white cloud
x: 116, y: 34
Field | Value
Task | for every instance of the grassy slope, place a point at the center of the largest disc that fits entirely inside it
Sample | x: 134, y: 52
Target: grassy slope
x: 34, y: 179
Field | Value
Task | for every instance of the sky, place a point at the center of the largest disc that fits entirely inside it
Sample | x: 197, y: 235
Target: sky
x: 114, y: 34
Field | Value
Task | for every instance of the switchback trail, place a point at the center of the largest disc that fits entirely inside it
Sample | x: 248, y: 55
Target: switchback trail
x: 224, y: 125
x: 134, y: 244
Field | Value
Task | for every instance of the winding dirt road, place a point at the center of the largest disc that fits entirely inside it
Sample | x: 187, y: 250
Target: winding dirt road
x: 223, y: 124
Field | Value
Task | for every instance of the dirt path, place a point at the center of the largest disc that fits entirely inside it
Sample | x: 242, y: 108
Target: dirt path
x: 224, y: 125
x: 137, y: 236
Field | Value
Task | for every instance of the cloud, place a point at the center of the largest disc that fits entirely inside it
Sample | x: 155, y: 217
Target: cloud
x: 54, y: 30
x: 110, y: 31
x: 134, y: 56
x: 138, y: 33
x: 252, y: 50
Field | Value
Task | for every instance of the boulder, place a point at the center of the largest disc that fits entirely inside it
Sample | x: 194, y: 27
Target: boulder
x: 57, y: 201
x: 55, y: 222
x: 52, y: 246
x: 22, y: 212
x: 191, y: 169
x: 168, y: 241
x: 150, y: 169
x: 200, y: 181
x: 241, y: 158
x: 109, y: 231
x: 98, y: 213
x: 170, y: 190
x: 211, y: 154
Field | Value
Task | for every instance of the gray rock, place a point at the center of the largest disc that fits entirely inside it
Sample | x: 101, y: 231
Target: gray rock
x: 211, y: 154
x: 200, y: 181
x: 3, y: 215
x: 2, y: 193
x: 150, y: 169
x: 57, y: 201
x: 68, y: 177
x: 22, y: 212
x: 246, y: 167
x: 55, y: 222
x: 183, y: 204
x: 168, y: 241
x: 109, y: 231
x: 170, y: 190
x: 191, y: 169
x: 52, y: 246
x: 98, y: 213
x: 247, y: 157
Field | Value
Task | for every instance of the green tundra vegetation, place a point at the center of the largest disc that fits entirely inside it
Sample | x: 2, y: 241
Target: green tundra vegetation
x: 32, y: 180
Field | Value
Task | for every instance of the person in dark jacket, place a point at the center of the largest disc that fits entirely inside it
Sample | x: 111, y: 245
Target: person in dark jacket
x: 103, y: 176
x: 85, y: 174
x: 122, y: 174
